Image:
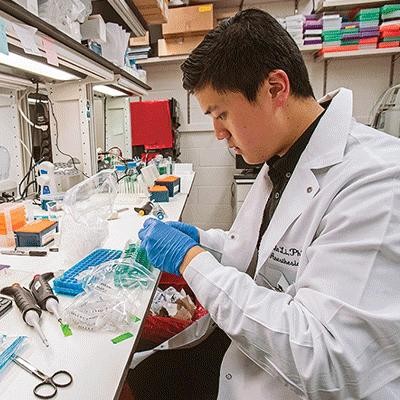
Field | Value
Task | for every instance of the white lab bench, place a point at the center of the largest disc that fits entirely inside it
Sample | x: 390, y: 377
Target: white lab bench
x: 98, y: 366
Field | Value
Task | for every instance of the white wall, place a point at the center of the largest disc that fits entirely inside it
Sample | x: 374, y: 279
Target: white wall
x: 209, y: 204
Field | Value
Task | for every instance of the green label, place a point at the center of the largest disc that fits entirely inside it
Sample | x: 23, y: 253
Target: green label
x: 122, y: 337
x: 66, y: 330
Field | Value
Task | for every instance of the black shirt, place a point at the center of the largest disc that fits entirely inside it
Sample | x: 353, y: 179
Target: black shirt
x: 280, y: 172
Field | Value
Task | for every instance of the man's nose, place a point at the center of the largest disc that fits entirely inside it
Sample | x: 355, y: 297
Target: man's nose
x: 220, y: 132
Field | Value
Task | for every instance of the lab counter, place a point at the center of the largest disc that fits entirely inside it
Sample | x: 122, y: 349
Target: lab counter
x: 98, y: 366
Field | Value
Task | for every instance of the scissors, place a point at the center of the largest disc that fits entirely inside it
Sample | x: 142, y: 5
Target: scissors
x: 47, y: 389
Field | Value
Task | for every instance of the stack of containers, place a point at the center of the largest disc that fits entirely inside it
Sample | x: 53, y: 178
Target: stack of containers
x: 368, y: 19
x: 331, y: 32
x: 390, y: 26
x: 312, y: 30
x: 350, y: 35
x: 294, y: 26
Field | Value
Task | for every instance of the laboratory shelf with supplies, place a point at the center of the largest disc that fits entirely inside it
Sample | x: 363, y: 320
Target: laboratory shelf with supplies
x: 181, y: 58
x: 329, y: 5
x: 72, y: 56
x: 98, y: 366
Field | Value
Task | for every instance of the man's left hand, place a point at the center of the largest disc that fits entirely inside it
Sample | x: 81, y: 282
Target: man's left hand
x: 166, y: 247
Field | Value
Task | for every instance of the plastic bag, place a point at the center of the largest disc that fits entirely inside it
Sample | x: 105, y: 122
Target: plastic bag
x: 87, y: 206
x: 9, y: 345
x: 113, y: 294
x: 158, y: 329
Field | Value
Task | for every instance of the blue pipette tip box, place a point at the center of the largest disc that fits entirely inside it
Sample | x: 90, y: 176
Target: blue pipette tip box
x: 67, y: 282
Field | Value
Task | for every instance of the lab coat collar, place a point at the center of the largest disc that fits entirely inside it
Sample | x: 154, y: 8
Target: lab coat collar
x: 327, y: 144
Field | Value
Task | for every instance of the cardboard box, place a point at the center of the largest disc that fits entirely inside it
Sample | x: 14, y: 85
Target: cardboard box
x: 153, y: 11
x: 178, y: 46
x: 189, y: 21
x: 140, y: 40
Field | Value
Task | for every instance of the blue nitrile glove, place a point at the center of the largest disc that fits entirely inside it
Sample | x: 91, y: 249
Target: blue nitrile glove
x: 188, y: 229
x: 166, y: 247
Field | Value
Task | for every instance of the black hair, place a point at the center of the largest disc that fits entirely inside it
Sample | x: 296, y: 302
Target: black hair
x: 239, y: 54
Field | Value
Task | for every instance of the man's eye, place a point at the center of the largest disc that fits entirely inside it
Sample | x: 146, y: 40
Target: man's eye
x: 221, y: 116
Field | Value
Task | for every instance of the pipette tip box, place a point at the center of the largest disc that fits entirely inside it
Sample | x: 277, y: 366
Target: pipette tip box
x: 173, y: 183
x: 35, y: 234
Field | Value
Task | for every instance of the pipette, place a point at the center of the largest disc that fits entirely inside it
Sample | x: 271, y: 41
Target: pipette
x: 44, y: 295
x: 24, y: 300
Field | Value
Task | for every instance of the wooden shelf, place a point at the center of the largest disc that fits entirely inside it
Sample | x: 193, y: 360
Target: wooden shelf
x: 359, y: 53
x: 329, y: 5
x: 165, y: 60
x: 181, y: 58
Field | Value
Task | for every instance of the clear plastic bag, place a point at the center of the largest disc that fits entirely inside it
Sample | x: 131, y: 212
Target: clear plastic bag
x: 87, y: 206
x: 9, y: 345
x: 112, y: 296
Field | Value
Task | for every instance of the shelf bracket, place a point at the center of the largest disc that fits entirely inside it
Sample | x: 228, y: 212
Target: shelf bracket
x: 393, y: 61
x: 325, y: 78
x: 296, y: 7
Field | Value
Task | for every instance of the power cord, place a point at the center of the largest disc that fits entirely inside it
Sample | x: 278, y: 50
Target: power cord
x: 57, y: 146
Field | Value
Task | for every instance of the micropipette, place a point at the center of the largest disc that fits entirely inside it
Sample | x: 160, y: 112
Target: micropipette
x: 44, y: 295
x: 26, y: 303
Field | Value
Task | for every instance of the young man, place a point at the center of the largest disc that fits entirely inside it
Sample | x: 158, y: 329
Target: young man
x: 321, y: 318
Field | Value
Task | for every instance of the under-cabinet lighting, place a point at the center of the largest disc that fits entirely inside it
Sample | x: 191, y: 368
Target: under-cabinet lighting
x: 109, y: 91
x: 36, y: 67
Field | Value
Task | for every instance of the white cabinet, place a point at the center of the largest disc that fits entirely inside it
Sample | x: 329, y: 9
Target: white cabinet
x: 241, y: 188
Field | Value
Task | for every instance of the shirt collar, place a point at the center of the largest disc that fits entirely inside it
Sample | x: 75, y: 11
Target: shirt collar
x: 280, y: 167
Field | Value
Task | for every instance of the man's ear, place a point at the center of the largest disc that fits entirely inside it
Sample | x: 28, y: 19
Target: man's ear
x: 278, y: 87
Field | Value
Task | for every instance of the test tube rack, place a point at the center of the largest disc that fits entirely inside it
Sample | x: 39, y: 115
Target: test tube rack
x: 67, y: 282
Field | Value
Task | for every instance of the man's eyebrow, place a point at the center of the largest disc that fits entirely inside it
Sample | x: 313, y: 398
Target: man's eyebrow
x: 210, y: 109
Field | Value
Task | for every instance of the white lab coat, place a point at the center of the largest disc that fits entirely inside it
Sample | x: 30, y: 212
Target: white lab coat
x: 333, y: 249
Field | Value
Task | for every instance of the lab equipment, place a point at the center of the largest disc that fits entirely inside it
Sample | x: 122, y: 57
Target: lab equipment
x: 68, y: 284
x: 36, y: 233
x: 46, y: 178
x: 9, y: 345
x: 165, y: 246
x: 188, y: 229
x: 159, y: 193
x: 173, y: 183
x: 44, y: 295
x: 48, y: 388
x: 51, y: 202
x: 153, y: 208
x: 145, y: 209
x: 87, y: 206
x: 5, y: 305
x: 150, y: 174
x: 158, y: 211
x: 31, y: 253
x: 12, y: 216
x: 24, y: 300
